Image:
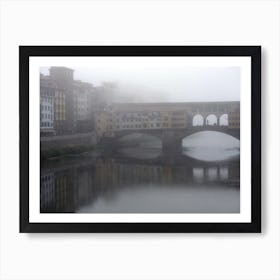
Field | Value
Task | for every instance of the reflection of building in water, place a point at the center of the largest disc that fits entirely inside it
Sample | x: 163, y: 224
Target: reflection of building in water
x: 223, y: 172
x: 112, y: 174
x: 69, y: 189
x: 47, y: 191
x: 234, y: 171
x: 65, y: 190
x: 198, y: 174
x: 212, y: 173
x: 62, y: 199
x: 85, y: 182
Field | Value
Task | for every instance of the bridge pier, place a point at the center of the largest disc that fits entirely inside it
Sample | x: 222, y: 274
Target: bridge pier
x: 109, y: 143
x: 171, y: 144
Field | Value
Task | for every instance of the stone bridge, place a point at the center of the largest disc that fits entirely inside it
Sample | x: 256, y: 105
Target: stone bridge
x: 171, y: 122
x: 171, y: 139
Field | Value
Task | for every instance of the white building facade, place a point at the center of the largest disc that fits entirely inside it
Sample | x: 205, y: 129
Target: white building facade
x: 47, y: 94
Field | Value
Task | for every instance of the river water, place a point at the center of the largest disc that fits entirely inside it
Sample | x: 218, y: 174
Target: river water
x: 203, y: 178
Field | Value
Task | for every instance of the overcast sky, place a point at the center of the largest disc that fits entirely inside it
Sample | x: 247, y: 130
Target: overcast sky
x: 166, y: 83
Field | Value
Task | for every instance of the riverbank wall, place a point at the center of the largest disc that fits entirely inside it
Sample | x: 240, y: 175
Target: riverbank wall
x: 68, y: 141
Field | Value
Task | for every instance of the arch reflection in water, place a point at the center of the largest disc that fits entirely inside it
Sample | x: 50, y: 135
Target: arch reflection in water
x: 219, y: 173
x: 211, y: 146
x: 122, y: 184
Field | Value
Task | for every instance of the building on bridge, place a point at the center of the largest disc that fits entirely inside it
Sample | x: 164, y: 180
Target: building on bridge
x: 234, y: 119
x: 135, y: 116
x: 163, y: 116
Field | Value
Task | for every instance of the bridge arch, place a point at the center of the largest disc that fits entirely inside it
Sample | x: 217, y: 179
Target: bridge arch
x: 141, y: 138
x: 223, y: 120
x: 211, y: 120
x: 197, y: 120
x: 220, y: 131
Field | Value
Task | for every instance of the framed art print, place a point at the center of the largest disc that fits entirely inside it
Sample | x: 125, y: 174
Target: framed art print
x: 140, y: 138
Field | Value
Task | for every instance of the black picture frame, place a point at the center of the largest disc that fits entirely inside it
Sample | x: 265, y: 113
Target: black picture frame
x: 25, y: 52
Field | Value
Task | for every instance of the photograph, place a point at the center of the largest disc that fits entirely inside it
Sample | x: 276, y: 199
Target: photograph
x: 140, y: 138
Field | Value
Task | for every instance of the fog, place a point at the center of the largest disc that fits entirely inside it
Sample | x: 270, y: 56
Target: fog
x: 164, y: 83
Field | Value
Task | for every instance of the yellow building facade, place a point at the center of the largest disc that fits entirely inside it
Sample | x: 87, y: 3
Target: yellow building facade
x: 234, y: 119
x: 135, y: 117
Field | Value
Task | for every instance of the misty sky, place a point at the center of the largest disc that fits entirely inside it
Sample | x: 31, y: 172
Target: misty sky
x: 167, y: 83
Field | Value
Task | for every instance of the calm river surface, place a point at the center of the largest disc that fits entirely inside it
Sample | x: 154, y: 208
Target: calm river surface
x: 200, y: 179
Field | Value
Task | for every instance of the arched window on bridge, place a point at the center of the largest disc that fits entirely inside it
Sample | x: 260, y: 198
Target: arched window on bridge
x: 211, y: 120
x: 224, y: 120
x: 198, y: 120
